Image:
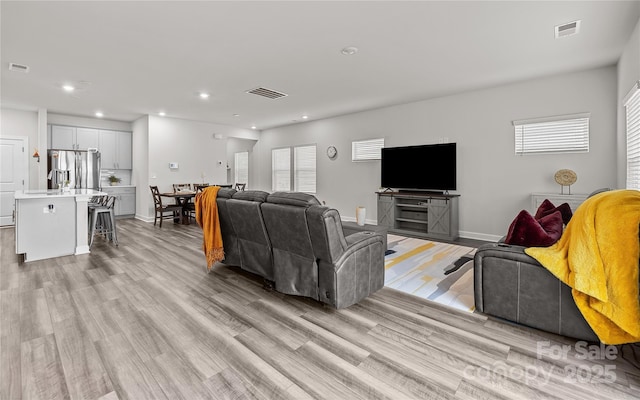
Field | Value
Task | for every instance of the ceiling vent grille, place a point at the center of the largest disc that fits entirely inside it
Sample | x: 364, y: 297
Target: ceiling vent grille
x: 268, y: 93
x: 568, y: 29
x: 18, y: 67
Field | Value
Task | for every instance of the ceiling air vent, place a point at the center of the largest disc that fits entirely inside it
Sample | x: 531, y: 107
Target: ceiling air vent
x: 567, y: 29
x: 268, y: 93
x: 18, y: 67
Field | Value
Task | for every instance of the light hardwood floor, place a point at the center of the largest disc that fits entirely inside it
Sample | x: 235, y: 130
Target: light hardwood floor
x: 145, y: 321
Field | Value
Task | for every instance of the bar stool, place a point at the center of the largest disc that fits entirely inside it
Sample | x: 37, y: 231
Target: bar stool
x: 103, y: 220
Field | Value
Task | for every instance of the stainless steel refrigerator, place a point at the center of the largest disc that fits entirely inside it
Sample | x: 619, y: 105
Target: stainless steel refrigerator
x: 80, y: 167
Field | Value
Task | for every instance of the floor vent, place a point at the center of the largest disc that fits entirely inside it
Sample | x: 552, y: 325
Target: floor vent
x: 568, y: 29
x: 268, y: 93
x: 18, y: 67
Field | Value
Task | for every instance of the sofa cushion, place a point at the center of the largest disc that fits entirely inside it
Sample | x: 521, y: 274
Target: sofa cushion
x: 547, y: 208
x: 525, y: 230
x: 251, y: 195
x: 226, y: 193
x: 293, y: 199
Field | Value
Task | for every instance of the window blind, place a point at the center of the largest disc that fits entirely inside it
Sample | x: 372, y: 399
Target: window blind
x: 366, y: 150
x: 281, y: 169
x: 304, y: 169
x: 632, y: 106
x: 241, y: 163
x: 562, y: 134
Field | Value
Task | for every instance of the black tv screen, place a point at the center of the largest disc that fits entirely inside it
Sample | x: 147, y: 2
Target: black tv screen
x: 425, y: 167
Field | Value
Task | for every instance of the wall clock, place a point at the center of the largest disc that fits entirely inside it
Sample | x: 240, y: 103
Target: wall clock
x: 332, y: 152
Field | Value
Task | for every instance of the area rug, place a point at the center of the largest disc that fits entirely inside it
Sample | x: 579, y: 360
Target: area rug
x: 435, y: 271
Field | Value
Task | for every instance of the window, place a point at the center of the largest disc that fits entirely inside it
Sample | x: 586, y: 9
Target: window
x: 304, y: 171
x: 632, y: 105
x: 562, y: 134
x: 366, y: 150
x: 241, y: 163
x: 303, y: 165
x: 281, y: 169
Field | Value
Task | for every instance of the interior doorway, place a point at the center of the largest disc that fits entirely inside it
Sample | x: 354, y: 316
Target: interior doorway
x: 14, y: 168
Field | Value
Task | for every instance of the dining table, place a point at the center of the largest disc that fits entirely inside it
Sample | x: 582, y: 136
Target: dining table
x: 183, y: 199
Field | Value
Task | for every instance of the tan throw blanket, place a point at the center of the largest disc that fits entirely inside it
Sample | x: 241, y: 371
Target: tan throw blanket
x: 207, y: 218
x: 597, y: 256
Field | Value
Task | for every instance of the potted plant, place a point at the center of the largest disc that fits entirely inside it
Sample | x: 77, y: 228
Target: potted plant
x: 113, y: 180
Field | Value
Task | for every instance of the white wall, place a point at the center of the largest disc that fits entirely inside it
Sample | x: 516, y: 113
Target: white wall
x: 493, y: 182
x: 140, y: 170
x: 628, y: 74
x: 25, y: 124
x: 192, y: 145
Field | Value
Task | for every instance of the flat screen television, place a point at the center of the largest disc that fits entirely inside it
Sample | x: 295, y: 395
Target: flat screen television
x: 429, y: 167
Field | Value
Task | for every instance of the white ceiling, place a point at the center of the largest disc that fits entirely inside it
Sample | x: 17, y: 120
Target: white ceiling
x: 135, y: 58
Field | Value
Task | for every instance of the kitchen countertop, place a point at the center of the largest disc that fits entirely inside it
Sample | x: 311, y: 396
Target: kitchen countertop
x: 42, y: 194
x: 119, y: 186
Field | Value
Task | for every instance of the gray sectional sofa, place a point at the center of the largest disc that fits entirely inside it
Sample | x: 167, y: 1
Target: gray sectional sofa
x: 291, y: 240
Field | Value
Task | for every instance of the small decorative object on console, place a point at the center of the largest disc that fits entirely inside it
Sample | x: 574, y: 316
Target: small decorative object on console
x: 565, y: 177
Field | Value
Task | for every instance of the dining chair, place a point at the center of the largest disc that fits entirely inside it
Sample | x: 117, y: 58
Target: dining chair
x: 191, y: 206
x: 162, y: 210
x: 181, y: 186
x: 240, y: 186
x: 197, y: 187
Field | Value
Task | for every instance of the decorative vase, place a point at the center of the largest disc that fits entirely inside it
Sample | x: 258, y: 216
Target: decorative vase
x: 360, y: 215
x: 113, y: 183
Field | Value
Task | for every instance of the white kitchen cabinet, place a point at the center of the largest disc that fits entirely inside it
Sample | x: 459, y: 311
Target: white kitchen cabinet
x: 125, y: 199
x: 115, y: 149
x: 87, y: 138
x: 73, y: 138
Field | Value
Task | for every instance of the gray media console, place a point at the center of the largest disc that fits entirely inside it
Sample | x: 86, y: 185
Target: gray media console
x: 427, y: 215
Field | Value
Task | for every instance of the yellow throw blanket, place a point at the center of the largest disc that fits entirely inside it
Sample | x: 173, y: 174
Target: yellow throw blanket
x: 597, y: 256
x: 207, y: 218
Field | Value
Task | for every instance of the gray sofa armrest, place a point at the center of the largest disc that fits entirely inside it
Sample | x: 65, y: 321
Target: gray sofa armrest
x: 357, y: 241
x: 512, y: 285
x: 359, y: 271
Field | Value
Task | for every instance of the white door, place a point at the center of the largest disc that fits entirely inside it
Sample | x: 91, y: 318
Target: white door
x: 14, y: 164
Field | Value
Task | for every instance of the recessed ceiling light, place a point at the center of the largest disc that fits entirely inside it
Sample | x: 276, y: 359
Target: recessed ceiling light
x: 349, y: 51
x: 99, y: 114
x: 162, y: 113
x: 204, y: 95
x: 253, y: 127
x: 236, y: 115
x: 68, y: 88
x: 305, y: 116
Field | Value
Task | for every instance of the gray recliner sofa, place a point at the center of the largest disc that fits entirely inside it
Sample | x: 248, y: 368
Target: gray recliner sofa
x: 511, y: 285
x: 291, y: 240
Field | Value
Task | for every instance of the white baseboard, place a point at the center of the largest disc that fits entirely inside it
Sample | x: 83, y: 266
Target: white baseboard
x: 480, y: 236
x: 142, y: 218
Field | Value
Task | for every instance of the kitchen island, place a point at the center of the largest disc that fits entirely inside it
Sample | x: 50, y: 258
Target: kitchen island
x: 52, y: 223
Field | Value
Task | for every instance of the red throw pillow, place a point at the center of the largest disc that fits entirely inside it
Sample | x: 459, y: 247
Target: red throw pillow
x: 527, y: 231
x: 547, y: 208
